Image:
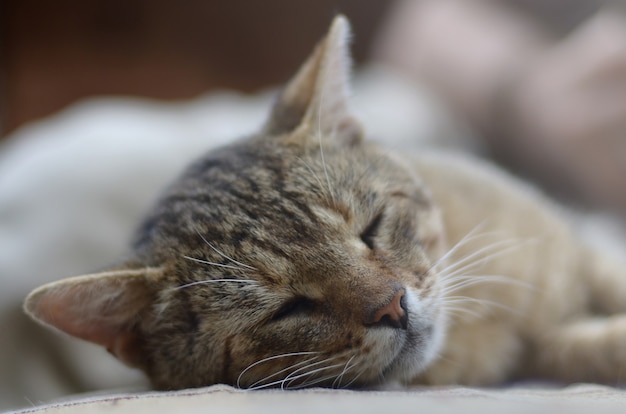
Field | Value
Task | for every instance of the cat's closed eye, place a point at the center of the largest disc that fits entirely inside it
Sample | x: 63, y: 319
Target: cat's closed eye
x: 293, y: 307
x: 368, y: 235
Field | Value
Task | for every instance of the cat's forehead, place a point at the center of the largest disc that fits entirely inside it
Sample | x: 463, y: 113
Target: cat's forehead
x: 233, y: 196
x: 257, y: 196
x: 262, y: 165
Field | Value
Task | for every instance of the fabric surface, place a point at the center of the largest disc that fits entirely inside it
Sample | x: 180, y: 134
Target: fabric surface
x: 583, y: 398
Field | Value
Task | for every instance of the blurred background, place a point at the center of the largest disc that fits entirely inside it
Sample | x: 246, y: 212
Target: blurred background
x: 54, y: 54
x: 102, y: 102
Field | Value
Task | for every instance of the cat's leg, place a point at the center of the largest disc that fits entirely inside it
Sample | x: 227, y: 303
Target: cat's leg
x: 606, y: 283
x: 590, y: 350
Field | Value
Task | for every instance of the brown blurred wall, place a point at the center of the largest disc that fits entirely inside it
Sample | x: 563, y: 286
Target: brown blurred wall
x: 54, y: 53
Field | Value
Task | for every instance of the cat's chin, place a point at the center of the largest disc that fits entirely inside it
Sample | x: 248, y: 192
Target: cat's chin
x: 418, y: 352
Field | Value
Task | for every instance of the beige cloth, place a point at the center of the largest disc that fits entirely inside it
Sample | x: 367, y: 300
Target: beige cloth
x: 584, y: 398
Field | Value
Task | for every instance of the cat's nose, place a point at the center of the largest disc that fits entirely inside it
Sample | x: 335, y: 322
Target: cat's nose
x: 394, y: 314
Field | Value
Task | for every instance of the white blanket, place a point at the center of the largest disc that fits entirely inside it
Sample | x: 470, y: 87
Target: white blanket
x: 581, y: 399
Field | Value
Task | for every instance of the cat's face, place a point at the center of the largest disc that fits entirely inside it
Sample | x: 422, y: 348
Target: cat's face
x: 302, y: 256
x: 276, y: 255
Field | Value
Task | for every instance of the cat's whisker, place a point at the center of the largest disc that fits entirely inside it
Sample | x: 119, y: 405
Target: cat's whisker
x: 465, y: 270
x: 466, y: 239
x: 347, y: 367
x: 208, y: 281
x: 454, y: 277
x: 290, y: 379
x: 381, y: 377
x: 314, y: 174
x: 468, y: 267
x: 28, y: 400
x: 459, y: 282
x: 480, y: 261
x: 321, y: 145
x: 193, y: 259
x: 290, y: 376
x: 455, y: 310
x: 330, y: 189
x: 483, y: 302
x: 506, y: 246
x: 449, y: 361
x: 462, y: 282
x: 262, y: 380
x: 224, y: 255
x: 204, y: 282
x: 315, y: 381
x: 356, y: 377
x: 272, y: 358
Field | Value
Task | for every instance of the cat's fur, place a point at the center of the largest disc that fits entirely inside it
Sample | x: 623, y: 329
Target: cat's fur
x: 305, y: 255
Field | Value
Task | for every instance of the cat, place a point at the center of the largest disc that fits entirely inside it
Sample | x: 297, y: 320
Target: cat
x: 305, y: 255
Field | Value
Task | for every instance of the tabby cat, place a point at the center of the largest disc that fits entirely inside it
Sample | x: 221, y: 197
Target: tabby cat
x: 306, y: 256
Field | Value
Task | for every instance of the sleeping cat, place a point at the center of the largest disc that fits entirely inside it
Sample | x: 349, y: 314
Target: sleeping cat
x: 307, y: 256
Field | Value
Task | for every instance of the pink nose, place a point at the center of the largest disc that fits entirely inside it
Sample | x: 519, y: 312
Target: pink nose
x: 393, y: 314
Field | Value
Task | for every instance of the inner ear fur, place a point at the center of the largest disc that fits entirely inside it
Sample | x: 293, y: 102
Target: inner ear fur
x: 102, y: 308
x: 315, y: 102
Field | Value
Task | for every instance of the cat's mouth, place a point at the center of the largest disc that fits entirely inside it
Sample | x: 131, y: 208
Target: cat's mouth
x: 410, y: 357
x: 417, y: 346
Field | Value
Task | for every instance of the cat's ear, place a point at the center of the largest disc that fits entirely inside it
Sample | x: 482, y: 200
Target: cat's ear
x: 315, y: 101
x: 101, y: 308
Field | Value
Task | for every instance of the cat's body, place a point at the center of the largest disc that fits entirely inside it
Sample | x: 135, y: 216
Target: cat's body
x: 306, y: 256
x: 548, y: 321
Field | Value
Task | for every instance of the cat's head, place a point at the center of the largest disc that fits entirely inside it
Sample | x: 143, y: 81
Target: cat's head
x: 300, y: 256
